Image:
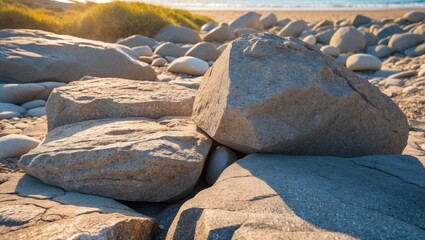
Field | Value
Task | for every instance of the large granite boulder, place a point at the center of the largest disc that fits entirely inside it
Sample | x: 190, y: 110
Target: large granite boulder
x: 100, y: 98
x: 280, y: 95
x: 30, y: 209
x: 134, y: 159
x: 34, y: 56
x: 288, y: 197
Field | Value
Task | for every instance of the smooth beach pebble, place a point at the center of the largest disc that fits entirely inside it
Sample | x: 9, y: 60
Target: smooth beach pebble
x: 363, y: 62
x: 219, y: 159
x: 189, y: 65
x: 37, y: 112
x: 330, y: 50
x: 159, y: 62
x: 34, y: 104
x: 16, y: 145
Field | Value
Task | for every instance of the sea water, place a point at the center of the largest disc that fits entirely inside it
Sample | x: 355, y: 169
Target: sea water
x: 285, y: 4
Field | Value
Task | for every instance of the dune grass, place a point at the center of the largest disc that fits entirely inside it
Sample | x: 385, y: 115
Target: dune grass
x: 107, y: 21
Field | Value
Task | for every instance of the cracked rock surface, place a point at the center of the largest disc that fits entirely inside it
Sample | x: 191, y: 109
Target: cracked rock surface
x: 295, y: 197
x: 280, y: 95
x: 30, y: 209
x: 134, y: 159
x: 100, y: 98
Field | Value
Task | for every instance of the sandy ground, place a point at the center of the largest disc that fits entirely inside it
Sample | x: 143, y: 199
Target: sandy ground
x: 309, y: 16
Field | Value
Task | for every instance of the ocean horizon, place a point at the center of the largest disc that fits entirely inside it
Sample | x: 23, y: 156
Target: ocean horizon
x: 364, y: 5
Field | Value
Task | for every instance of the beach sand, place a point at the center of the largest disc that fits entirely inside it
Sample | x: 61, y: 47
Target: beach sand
x: 309, y: 16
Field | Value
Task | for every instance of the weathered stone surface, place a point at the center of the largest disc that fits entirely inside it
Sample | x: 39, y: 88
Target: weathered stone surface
x: 30, y: 209
x: 137, y: 40
x: 134, y: 159
x: 176, y: 34
x: 257, y: 97
x: 204, y: 51
x: 248, y: 20
x: 363, y: 62
x: 348, y: 39
x: 34, y: 55
x: 294, y: 28
x: 14, y: 145
x: 287, y: 197
x: 220, y: 34
x: 403, y: 41
x: 189, y: 65
x: 117, y: 98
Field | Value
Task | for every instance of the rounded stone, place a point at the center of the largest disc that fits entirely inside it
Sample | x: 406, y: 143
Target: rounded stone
x: 34, y: 104
x: 189, y: 65
x: 330, y: 50
x: 14, y: 145
x: 159, y: 62
x: 219, y: 159
x: 220, y: 34
x: 403, y: 41
x: 208, y: 26
x: 204, y: 51
x: 310, y: 39
x: 143, y: 51
x: 348, y: 39
x: 37, y: 112
x: 294, y: 28
x: 414, y: 16
x: 363, y: 62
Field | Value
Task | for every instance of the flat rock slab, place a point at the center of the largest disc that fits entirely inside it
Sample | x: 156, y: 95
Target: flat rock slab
x: 134, y: 159
x: 35, y: 56
x: 289, y: 197
x: 30, y: 209
x: 100, y: 98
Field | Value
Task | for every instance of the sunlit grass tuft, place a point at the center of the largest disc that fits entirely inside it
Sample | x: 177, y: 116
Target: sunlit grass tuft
x: 107, y: 21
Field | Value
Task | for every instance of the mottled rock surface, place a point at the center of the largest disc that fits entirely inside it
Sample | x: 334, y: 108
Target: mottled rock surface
x: 135, y: 159
x: 117, y: 98
x: 258, y: 97
x: 30, y: 209
x: 288, y: 197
